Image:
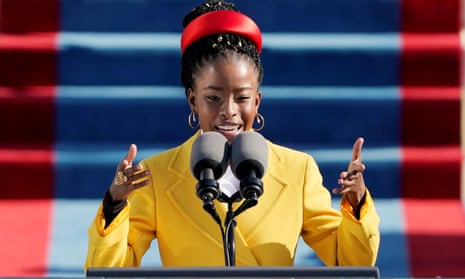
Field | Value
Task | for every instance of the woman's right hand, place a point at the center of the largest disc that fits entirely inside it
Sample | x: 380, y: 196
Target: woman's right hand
x: 128, y: 177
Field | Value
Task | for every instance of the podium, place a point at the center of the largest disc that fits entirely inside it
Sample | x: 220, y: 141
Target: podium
x: 235, y: 272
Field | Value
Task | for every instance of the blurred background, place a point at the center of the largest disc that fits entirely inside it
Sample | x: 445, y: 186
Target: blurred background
x: 80, y: 80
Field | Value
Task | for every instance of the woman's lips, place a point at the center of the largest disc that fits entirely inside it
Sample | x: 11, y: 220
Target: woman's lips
x: 229, y: 131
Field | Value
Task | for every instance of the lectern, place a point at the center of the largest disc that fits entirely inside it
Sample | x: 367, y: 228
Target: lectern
x: 236, y: 272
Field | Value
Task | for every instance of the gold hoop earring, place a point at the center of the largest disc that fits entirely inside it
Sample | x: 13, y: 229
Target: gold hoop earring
x: 192, y: 121
x: 260, y: 121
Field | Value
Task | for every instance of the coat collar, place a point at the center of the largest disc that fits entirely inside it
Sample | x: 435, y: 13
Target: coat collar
x: 183, y: 195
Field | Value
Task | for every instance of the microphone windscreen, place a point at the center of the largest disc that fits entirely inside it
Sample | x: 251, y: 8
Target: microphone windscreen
x: 209, y: 151
x: 249, y: 151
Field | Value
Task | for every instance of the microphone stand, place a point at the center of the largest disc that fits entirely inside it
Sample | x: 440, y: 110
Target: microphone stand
x: 230, y: 224
x: 227, y: 232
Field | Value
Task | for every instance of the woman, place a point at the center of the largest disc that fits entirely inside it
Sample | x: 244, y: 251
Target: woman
x: 222, y: 73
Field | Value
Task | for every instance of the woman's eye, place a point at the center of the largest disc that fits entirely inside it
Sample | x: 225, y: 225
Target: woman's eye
x: 243, y: 98
x: 213, y: 98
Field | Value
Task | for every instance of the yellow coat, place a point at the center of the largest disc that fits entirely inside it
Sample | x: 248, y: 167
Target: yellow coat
x: 294, y: 203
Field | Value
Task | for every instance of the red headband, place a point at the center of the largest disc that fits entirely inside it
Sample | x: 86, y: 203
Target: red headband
x: 221, y: 22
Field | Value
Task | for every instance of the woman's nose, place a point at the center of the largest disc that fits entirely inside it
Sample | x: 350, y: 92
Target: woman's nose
x: 229, y: 108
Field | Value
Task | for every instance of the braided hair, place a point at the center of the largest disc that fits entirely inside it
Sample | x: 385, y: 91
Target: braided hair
x: 214, y: 46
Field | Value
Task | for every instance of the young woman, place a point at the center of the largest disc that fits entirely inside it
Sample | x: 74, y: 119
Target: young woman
x: 156, y: 199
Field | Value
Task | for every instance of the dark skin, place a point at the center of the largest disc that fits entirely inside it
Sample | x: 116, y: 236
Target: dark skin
x: 226, y: 97
x: 351, y: 181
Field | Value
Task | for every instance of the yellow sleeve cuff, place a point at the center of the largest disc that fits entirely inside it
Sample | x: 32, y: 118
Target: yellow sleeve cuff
x: 347, y: 208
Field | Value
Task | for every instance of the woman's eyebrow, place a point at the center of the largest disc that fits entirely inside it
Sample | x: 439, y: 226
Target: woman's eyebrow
x: 213, y: 87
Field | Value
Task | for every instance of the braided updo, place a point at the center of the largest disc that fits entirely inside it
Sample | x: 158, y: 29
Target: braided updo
x: 218, y: 45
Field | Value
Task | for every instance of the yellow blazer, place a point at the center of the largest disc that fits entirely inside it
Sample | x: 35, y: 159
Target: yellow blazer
x: 294, y: 203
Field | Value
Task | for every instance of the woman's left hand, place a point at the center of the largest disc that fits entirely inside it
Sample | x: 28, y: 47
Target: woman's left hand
x: 351, y: 181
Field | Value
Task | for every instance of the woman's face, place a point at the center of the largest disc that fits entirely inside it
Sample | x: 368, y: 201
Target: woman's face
x: 225, y: 95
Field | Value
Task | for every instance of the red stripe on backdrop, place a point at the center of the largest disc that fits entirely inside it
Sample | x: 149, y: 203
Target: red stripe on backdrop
x: 28, y: 42
x: 431, y: 173
x: 436, y: 237
x: 26, y: 145
x: 29, y: 16
x: 24, y: 237
x: 431, y: 116
x: 430, y: 16
x: 431, y: 51
x: 32, y: 42
x: 431, y: 59
x: 27, y: 115
x: 28, y: 60
x: 430, y: 76
x: 26, y: 172
x: 28, y: 76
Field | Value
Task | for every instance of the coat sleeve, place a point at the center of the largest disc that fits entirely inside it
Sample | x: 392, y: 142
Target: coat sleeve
x: 337, y: 237
x: 128, y: 237
x: 358, y: 240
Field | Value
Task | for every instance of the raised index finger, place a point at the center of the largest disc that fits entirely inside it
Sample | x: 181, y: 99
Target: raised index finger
x: 129, y: 158
x: 357, y: 149
x: 131, y: 153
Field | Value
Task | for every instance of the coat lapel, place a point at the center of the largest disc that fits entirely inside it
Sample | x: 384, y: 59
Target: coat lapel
x: 183, y: 195
x: 273, y: 187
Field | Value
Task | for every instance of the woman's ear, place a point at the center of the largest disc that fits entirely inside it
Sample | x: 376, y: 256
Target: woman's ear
x: 191, y: 99
x: 258, y: 99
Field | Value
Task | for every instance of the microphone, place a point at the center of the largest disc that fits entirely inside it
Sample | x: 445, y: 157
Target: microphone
x: 249, y: 161
x: 208, y: 162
